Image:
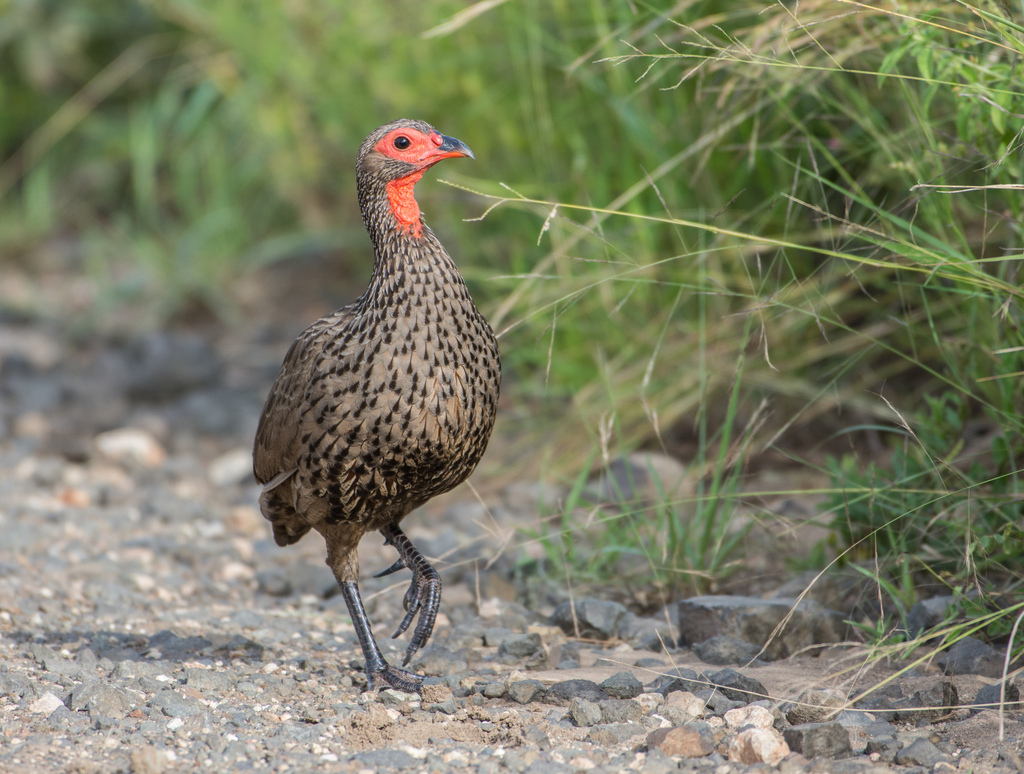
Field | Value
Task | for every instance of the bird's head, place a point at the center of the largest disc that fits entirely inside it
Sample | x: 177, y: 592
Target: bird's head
x: 397, y: 155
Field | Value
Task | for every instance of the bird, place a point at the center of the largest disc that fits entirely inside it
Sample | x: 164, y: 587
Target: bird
x: 385, y: 403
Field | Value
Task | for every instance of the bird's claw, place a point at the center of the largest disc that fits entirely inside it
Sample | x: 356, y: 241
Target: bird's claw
x: 423, y: 598
x: 387, y: 676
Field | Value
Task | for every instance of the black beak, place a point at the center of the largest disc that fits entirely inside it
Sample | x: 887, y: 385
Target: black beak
x: 452, y: 147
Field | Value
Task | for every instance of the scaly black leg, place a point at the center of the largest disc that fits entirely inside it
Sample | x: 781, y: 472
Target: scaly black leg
x: 377, y: 669
x: 424, y: 594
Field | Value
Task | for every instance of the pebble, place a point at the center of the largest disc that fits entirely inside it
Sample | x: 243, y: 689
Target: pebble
x: 584, y: 713
x: 622, y: 685
x: 920, y: 752
x: 560, y: 694
x: 525, y: 691
x: 692, y: 740
x: 737, y: 686
x: 972, y: 656
x: 517, y: 646
x: 758, y: 745
x: 818, y: 740
x: 589, y: 618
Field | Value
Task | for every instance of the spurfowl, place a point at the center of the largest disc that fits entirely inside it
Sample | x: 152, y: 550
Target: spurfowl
x: 388, y: 401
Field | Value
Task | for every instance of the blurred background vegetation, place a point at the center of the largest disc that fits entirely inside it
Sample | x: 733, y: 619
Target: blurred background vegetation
x: 751, y: 235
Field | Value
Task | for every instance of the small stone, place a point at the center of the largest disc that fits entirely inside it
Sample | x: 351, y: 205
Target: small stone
x: 621, y: 711
x: 45, y: 704
x: 146, y: 760
x: 988, y: 696
x: 679, y: 679
x: 622, y: 685
x: 386, y: 758
x: 885, y: 747
x: 589, y: 618
x: 972, y: 656
x: 722, y: 650
x: 649, y: 702
x: 518, y: 646
x: 131, y: 445
x: 813, y: 706
x: 208, y: 679
x: 174, y: 705
x: 758, y: 745
x: 751, y: 715
x: 493, y: 690
x: 493, y: 635
x: 610, y: 734
x: 438, y: 661
x: 692, y: 740
x: 560, y: 694
x: 738, y: 687
x: 232, y: 468
x: 101, y: 699
x: 920, y: 752
x: 584, y: 713
x: 525, y: 691
x: 818, y: 740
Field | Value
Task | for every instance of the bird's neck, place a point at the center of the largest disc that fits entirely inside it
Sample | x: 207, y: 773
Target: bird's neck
x: 405, y: 249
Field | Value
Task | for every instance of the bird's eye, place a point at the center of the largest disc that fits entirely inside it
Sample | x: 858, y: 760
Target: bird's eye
x: 402, y: 142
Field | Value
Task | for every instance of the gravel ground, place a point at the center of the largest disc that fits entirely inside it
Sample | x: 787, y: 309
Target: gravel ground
x: 149, y: 624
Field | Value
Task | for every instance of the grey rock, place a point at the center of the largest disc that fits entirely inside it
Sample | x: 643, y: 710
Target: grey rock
x: 818, y: 740
x: 525, y: 691
x: 493, y: 635
x: 653, y: 634
x: 493, y: 690
x: 171, y: 645
x: 584, y: 713
x: 174, y: 705
x: 885, y: 746
x: 881, y: 706
x: 921, y: 752
x: 622, y: 685
x: 438, y: 661
x: 163, y: 365
x: 972, y: 656
x: 101, y: 699
x: 589, y: 618
x: 518, y: 646
x: 147, y: 760
x: 209, y: 679
x: 988, y: 696
x: 928, y: 614
x: 813, y: 706
x: 716, y: 702
x: 15, y: 684
x: 273, y: 582
x: 467, y: 634
x: 930, y: 704
x: 560, y: 694
x: 722, y: 650
x: 737, y: 686
x: 754, y: 620
x: 621, y: 711
x: 679, y: 679
x: 615, y: 733
x: 386, y: 758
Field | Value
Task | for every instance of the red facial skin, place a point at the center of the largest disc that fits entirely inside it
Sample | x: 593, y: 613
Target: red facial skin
x: 422, y: 153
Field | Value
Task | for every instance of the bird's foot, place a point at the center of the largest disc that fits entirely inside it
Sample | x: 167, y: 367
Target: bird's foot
x: 422, y: 598
x: 387, y: 676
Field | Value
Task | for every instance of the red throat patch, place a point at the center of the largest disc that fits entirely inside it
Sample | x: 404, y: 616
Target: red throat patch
x: 403, y: 204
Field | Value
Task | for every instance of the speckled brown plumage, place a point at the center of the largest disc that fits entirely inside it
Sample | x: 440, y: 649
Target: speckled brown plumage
x: 387, y: 402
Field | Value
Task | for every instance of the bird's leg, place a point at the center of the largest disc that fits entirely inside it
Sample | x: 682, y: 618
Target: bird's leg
x: 377, y: 669
x: 424, y: 593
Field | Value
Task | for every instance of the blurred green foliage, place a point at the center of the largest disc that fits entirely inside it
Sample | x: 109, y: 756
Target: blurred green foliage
x: 829, y: 193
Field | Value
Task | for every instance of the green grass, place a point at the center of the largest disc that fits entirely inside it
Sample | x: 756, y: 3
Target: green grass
x: 736, y: 224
